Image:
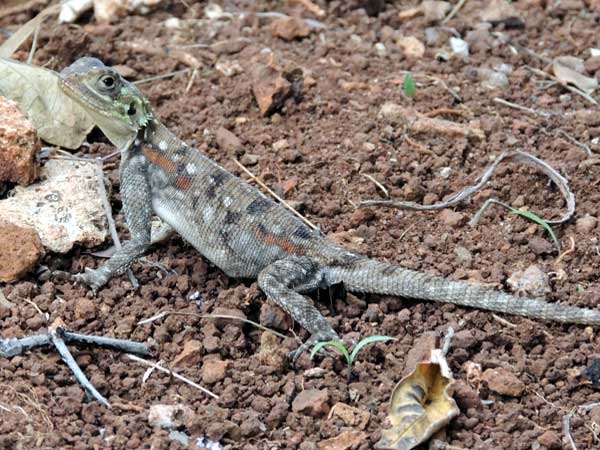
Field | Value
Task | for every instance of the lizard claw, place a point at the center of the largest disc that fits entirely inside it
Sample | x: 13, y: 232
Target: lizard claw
x: 311, y: 341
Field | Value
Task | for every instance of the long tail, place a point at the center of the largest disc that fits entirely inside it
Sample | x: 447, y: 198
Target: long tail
x: 371, y: 276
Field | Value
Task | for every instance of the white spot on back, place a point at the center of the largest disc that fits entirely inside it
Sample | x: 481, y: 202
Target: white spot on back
x: 162, y: 145
x: 227, y: 202
x: 191, y: 169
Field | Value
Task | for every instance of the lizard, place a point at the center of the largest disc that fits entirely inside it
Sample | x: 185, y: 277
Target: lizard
x: 240, y: 230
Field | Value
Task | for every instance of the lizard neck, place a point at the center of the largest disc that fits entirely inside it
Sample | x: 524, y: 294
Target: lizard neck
x: 159, y: 137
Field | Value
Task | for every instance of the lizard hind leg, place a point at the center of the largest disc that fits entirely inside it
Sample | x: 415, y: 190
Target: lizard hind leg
x: 283, y: 281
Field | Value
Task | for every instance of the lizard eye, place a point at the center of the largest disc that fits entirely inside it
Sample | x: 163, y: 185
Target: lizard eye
x: 108, y: 81
x: 131, y: 111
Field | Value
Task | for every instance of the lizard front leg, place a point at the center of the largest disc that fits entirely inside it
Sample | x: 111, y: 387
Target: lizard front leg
x: 282, y: 281
x: 137, y: 206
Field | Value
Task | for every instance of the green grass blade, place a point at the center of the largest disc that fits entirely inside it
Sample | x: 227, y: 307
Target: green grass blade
x: 335, y: 344
x: 537, y: 219
x: 366, y: 341
x: 409, y: 86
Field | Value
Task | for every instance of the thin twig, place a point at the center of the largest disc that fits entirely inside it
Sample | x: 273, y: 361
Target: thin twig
x: 163, y: 76
x: 520, y: 108
x: 173, y: 374
x: 574, y: 141
x: 566, y: 428
x: 504, y: 322
x: 66, y: 356
x: 377, y: 183
x: 162, y: 314
x: 274, y: 195
x: 452, y: 13
x: 566, y: 252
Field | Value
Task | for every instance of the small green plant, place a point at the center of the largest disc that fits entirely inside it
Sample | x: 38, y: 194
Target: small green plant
x: 349, y: 356
x: 409, y: 86
x: 537, y: 219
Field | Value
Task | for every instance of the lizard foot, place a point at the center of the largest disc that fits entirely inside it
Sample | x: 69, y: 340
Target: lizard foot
x: 95, y: 279
x: 323, y: 336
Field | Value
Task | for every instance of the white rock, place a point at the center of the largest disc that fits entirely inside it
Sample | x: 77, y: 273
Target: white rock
x: 107, y: 10
x: 459, y: 47
x: 445, y: 172
x: 64, y: 208
x: 228, y: 68
x: 595, y: 51
x: 532, y: 281
x: 380, y: 49
x: 70, y: 10
x: 169, y: 416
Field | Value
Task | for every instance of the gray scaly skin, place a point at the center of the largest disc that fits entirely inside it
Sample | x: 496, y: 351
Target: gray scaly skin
x: 241, y: 231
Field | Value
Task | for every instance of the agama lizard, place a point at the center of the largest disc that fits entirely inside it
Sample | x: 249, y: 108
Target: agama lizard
x: 241, y: 231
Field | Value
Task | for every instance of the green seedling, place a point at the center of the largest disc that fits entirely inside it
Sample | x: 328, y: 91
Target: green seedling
x: 409, y: 86
x: 537, y: 219
x: 349, y: 356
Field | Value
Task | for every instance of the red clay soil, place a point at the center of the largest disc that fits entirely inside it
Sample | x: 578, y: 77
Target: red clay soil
x: 334, y: 136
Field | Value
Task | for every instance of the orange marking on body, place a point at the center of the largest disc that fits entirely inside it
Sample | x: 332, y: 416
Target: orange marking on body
x: 159, y: 159
x: 183, y: 182
x: 281, y: 242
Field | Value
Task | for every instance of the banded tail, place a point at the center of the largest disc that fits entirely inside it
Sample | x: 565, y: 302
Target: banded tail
x: 377, y: 277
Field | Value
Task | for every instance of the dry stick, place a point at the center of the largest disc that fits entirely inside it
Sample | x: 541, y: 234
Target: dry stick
x: 377, y: 183
x: 66, y: 356
x: 454, y: 11
x: 574, y: 141
x: 163, y: 76
x: 173, y: 374
x: 518, y: 156
x: 274, y: 195
x: 162, y: 314
x: 111, y: 222
x: 521, y: 108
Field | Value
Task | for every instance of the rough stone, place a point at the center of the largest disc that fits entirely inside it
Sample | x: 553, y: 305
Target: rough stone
x: 191, y: 354
x: 550, y: 440
x: 452, y: 218
x: 586, y: 224
x: 412, y: 48
x: 290, y: 28
x: 533, y: 281
x: 62, y: 216
x: 540, y: 246
x: 270, y: 89
x: 351, y: 416
x: 466, y: 397
x: 346, y: 440
x: 313, y: 402
x: 169, y: 416
x: 214, y: 371
x: 20, y: 251
x: 19, y: 145
x: 228, y: 141
x: 503, y: 382
x: 85, y: 309
x: 274, y: 317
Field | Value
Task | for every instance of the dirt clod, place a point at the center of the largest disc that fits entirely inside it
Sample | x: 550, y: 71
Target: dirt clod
x: 503, y: 382
x: 20, y: 251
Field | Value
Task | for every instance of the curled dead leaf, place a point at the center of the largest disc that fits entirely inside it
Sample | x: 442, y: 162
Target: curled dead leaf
x: 567, y: 70
x: 420, y: 406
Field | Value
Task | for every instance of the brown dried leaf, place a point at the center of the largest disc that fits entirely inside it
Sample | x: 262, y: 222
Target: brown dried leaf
x: 566, y: 74
x: 420, y: 405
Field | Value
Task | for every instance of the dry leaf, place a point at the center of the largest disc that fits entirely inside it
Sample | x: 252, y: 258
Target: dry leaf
x: 420, y: 405
x: 566, y: 73
x: 58, y: 119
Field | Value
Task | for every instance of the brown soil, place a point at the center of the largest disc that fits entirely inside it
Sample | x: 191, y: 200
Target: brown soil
x: 334, y: 137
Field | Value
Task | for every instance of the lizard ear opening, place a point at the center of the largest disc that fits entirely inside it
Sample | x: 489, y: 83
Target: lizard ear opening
x: 132, y: 110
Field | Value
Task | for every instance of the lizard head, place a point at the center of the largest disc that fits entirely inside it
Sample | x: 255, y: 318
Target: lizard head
x: 119, y: 109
